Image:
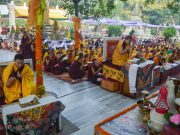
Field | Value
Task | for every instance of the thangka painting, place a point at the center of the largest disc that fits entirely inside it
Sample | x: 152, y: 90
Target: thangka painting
x: 109, y: 47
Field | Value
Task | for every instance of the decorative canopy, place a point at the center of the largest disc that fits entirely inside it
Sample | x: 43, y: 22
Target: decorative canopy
x: 22, y: 12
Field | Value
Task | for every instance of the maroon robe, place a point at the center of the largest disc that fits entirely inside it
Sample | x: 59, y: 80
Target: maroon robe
x: 59, y: 69
x: 23, y: 46
x: 75, y: 72
x: 49, y: 67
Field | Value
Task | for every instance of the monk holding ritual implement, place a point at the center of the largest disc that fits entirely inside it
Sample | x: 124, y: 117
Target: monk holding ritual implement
x: 18, y: 80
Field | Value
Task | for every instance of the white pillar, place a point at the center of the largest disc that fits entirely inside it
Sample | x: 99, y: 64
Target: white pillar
x: 12, y: 21
x: 25, y: 5
x: 57, y: 7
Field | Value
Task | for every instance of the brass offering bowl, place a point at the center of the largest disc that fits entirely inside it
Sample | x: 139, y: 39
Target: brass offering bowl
x: 145, y: 107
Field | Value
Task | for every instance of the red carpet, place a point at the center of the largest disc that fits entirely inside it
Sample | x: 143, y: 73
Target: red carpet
x: 65, y: 77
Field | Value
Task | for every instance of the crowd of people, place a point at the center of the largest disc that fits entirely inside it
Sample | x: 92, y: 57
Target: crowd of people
x: 86, y: 62
x: 160, y: 51
x: 83, y: 63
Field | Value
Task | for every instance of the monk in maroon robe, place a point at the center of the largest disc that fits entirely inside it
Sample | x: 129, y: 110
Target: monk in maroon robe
x: 95, y: 72
x: 23, y: 45
x: 28, y: 53
x: 76, y: 70
x: 57, y: 69
x: 49, y: 62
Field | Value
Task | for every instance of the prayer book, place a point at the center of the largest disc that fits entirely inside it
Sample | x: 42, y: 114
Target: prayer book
x: 28, y: 101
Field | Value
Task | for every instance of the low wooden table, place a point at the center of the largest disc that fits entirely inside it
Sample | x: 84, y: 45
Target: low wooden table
x: 126, y: 122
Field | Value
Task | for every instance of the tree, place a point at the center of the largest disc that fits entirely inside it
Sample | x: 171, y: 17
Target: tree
x: 89, y: 8
x: 173, y: 5
x: 169, y: 32
x: 115, y: 30
x: 159, y: 16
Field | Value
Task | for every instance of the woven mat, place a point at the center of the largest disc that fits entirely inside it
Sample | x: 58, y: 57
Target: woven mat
x: 65, y: 77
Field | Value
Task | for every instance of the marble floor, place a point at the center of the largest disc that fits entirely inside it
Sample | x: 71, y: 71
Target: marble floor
x: 86, y: 104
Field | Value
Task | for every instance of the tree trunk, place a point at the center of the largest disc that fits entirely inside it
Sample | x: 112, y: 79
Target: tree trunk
x: 76, y: 9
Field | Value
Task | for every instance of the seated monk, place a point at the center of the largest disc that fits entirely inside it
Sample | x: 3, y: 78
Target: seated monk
x: 158, y: 60
x: 65, y: 64
x: 70, y: 59
x: 57, y: 63
x: 18, y: 80
x: 121, y: 52
x: 151, y: 55
x: 95, y: 72
x: 5, y: 45
x: 91, y: 56
x: 85, y: 59
x: 76, y: 70
x: 49, y: 62
x: 146, y: 54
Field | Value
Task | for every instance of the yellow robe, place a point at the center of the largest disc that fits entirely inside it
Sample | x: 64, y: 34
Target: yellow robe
x: 45, y: 55
x: 117, y: 58
x: 28, y: 85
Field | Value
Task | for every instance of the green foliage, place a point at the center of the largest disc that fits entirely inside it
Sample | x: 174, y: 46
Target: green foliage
x: 156, y: 13
x: 89, y: 8
x: 115, y: 30
x: 153, y: 31
x: 169, y: 32
x: 159, y: 16
x: 173, y: 5
x: 21, y: 22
